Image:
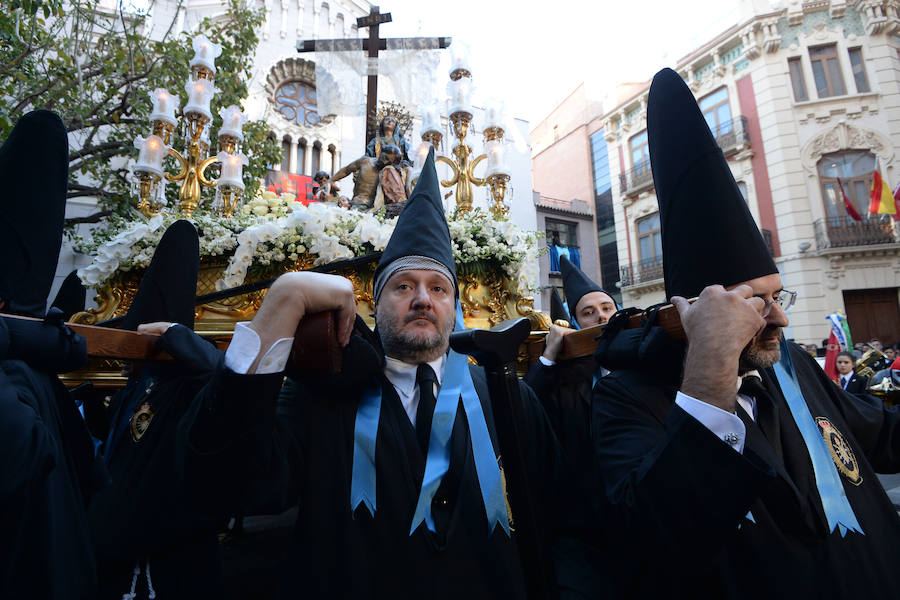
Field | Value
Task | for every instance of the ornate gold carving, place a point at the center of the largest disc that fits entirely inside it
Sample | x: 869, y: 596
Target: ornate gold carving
x: 497, y: 298
x: 467, y: 296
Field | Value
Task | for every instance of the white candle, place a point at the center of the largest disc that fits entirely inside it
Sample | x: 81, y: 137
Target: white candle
x: 496, y: 158
x: 459, y: 95
x: 200, y: 93
x: 232, y: 122
x: 431, y: 119
x: 205, y: 53
x: 421, y: 155
x: 151, y: 152
x: 494, y: 114
x: 164, y: 105
x: 232, y: 169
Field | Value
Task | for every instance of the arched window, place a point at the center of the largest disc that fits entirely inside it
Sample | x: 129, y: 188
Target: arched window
x: 854, y: 168
x: 301, y: 156
x: 296, y: 102
x: 316, y: 158
x: 286, y: 154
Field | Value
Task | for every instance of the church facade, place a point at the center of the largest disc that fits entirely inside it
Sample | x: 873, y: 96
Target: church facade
x: 798, y: 96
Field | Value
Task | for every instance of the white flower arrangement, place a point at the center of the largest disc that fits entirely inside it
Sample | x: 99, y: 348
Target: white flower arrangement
x: 272, y: 232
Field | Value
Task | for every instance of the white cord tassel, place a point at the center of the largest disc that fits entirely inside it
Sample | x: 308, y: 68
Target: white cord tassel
x: 151, y: 594
x: 137, y: 571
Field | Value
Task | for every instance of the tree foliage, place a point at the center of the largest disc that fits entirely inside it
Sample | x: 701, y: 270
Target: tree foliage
x: 95, y: 67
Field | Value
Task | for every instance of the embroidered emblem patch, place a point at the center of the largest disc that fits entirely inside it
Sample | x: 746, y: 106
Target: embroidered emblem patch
x: 140, y: 421
x: 841, y: 453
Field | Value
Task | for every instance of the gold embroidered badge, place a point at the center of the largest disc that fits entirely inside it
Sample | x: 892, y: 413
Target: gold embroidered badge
x: 841, y: 453
x: 140, y: 421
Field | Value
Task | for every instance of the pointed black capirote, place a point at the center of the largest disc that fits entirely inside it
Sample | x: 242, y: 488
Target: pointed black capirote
x: 708, y: 234
x: 421, y: 229
x: 71, y: 296
x: 169, y: 285
x: 34, y: 168
x: 558, y: 310
x: 576, y: 284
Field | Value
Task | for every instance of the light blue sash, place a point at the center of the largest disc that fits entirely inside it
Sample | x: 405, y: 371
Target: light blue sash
x: 457, y: 385
x: 831, y: 491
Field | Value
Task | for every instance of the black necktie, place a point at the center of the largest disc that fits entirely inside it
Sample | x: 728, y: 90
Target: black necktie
x: 766, y: 412
x: 844, y: 382
x: 426, y: 379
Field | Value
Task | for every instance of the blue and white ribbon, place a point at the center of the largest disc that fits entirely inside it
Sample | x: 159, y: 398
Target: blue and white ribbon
x: 837, y: 507
x: 456, y: 385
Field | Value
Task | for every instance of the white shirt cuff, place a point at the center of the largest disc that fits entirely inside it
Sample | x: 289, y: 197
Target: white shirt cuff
x: 244, y: 349
x: 546, y: 361
x: 726, y: 426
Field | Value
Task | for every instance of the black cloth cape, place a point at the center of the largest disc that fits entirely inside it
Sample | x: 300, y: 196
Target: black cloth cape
x: 564, y: 390
x: 47, y: 474
x: 245, y: 453
x: 679, y: 496
x: 143, y: 517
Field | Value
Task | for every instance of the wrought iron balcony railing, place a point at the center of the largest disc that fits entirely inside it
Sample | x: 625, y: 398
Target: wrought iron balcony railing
x: 731, y: 136
x: 641, y: 272
x: 844, y: 232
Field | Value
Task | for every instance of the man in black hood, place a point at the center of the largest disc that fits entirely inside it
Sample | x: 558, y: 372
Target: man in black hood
x: 48, y: 467
x: 735, y: 468
x: 148, y: 539
x: 397, y: 479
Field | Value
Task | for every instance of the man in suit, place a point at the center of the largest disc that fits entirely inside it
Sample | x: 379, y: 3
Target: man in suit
x: 848, y: 380
x: 734, y: 467
x: 382, y: 458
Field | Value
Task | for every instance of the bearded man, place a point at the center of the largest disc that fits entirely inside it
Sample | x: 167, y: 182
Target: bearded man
x: 382, y: 458
x: 735, y: 468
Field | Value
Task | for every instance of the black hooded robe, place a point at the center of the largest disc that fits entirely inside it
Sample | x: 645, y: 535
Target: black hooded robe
x: 142, y: 518
x: 680, y: 497
x: 244, y: 453
x: 48, y: 473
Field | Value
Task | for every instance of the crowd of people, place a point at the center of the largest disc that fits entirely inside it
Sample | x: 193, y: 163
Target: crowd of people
x: 724, y: 466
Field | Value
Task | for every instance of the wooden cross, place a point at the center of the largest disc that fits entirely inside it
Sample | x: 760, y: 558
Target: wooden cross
x: 372, y: 45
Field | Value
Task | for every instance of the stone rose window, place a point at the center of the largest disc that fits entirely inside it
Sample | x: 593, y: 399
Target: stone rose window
x: 296, y: 102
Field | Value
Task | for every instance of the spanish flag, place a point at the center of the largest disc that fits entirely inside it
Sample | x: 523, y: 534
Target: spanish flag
x: 882, y: 200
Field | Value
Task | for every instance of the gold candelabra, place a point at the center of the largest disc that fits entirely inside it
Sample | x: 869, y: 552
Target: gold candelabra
x: 463, y: 161
x: 195, y: 159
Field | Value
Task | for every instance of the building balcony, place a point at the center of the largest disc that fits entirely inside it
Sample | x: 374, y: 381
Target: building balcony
x: 844, y: 232
x: 641, y: 272
x: 732, y: 137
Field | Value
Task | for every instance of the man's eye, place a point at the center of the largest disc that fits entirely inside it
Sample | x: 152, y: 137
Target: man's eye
x: 439, y: 289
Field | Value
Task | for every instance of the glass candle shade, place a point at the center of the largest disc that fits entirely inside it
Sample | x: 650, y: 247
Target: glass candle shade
x: 200, y: 93
x: 431, y: 119
x: 460, y: 92
x: 232, y: 122
x: 496, y: 158
x: 232, y: 169
x: 205, y: 53
x: 164, y: 106
x: 151, y: 152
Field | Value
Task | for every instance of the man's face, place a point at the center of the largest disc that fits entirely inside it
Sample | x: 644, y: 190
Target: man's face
x: 890, y: 353
x: 876, y: 344
x: 415, y: 315
x: 594, y: 308
x: 844, y: 365
x: 764, y: 349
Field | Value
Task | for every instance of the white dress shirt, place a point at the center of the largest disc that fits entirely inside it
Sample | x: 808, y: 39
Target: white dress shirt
x: 727, y: 426
x: 244, y: 349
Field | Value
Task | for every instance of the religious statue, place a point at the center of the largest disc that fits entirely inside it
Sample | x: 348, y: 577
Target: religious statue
x: 325, y: 191
x: 388, y: 134
x: 366, y: 178
x: 393, y: 179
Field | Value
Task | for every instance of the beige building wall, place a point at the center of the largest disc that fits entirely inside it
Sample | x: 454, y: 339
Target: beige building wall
x: 779, y: 164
